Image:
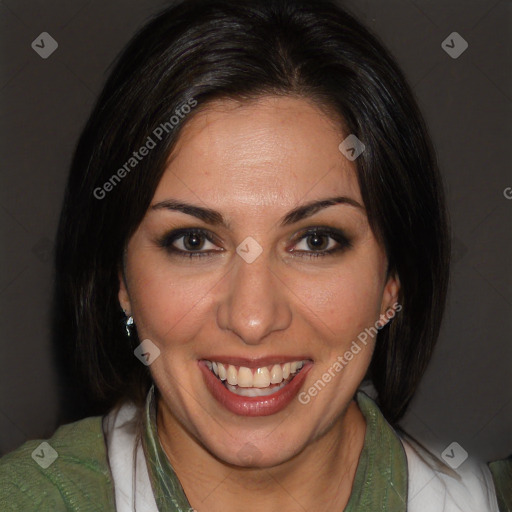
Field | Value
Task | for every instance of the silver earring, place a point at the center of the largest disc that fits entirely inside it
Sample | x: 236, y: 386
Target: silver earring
x: 128, y: 323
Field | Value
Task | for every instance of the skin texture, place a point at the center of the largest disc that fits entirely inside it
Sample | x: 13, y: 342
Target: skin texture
x: 254, y: 162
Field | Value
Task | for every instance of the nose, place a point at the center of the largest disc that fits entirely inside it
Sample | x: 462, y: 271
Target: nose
x: 253, y: 303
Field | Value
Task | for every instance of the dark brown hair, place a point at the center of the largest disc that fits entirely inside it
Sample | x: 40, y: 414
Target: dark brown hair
x: 201, y: 50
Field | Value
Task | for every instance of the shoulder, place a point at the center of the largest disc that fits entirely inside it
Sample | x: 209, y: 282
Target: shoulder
x: 434, y: 486
x: 69, y: 471
x: 502, y: 475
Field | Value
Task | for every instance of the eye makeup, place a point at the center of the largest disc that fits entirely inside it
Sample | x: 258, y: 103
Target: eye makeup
x: 191, y: 242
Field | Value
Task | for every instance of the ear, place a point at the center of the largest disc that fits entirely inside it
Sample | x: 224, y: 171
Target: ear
x: 124, y: 298
x: 390, y: 298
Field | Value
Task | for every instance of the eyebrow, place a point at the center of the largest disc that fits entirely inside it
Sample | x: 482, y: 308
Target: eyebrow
x: 215, y: 218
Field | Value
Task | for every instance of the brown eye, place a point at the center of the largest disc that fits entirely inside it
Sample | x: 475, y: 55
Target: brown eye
x: 193, y: 241
x: 321, y: 242
x: 317, y: 242
x: 189, y: 243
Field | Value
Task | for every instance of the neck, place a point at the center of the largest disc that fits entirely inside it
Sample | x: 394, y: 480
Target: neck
x: 317, y: 478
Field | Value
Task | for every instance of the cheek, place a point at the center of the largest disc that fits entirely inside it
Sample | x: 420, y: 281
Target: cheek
x: 167, y: 303
x: 346, y: 300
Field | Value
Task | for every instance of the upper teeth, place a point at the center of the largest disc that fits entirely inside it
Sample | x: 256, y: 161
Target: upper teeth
x: 254, y: 377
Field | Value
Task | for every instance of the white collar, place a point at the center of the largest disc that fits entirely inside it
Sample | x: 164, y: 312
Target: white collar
x: 469, y: 489
x: 133, y: 492
x: 434, y: 487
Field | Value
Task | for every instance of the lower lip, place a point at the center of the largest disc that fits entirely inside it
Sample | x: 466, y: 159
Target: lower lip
x: 254, y: 405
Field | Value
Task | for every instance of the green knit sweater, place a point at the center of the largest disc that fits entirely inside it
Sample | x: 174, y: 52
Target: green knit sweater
x: 79, y: 478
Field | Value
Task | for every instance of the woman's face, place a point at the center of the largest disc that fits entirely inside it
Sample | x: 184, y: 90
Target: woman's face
x: 250, y: 277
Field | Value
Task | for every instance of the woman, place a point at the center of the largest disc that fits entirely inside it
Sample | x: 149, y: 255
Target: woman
x: 256, y: 194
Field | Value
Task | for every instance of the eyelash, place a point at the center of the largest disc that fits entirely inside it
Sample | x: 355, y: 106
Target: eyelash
x: 167, y: 241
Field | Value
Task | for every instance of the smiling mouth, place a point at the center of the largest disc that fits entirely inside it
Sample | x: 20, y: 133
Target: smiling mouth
x: 254, y: 382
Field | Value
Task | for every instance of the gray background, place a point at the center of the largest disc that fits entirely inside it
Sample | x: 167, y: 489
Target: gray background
x: 466, y: 395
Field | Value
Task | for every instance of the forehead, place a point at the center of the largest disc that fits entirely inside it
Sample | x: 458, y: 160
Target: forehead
x: 269, y: 151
